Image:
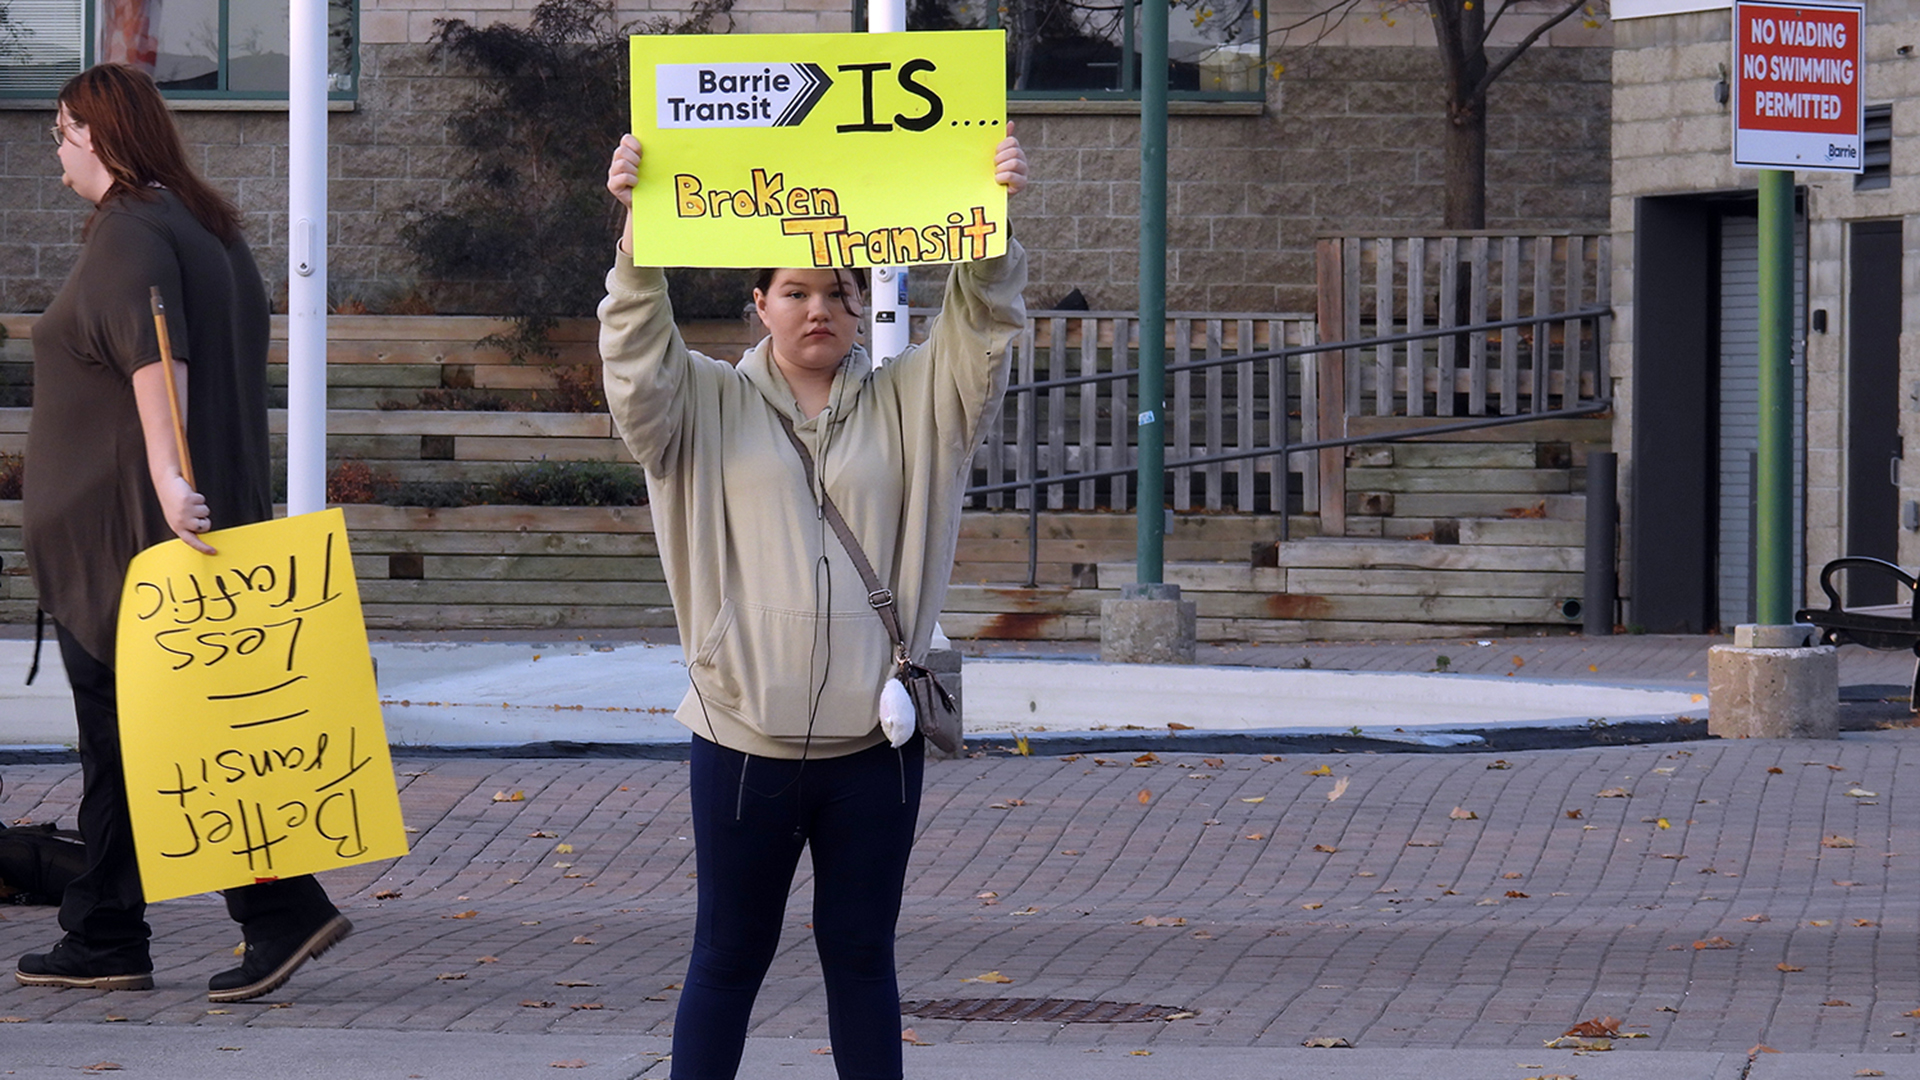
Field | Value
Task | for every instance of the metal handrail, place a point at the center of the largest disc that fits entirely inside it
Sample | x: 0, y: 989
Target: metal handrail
x: 1034, y: 483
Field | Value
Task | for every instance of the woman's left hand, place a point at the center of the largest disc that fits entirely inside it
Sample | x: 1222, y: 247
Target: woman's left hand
x: 186, y: 511
x: 1010, y: 163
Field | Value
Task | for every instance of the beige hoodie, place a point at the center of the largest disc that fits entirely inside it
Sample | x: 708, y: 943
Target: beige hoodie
x: 787, y: 658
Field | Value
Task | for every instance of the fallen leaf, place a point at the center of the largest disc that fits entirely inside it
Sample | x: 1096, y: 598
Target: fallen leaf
x: 570, y: 1063
x: 1500, y: 763
x: 1666, y: 1008
x: 1516, y: 894
x: 1758, y: 918
x: 823, y: 1050
x: 1324, y: 849
x: 1028, y: 911
x: 1819, y: 922
x: 1598, y: 1027
x: 1459, y: 813
x: 1255, y: 799
x: 1323, y: 770
x: 563, y: 849
x: 1183, y: 1014
x: 1328, y: 1042
x: 1614, y: 793
x: 462, y: 915
x: 489, y: 960
x: 501, y: 796
x: 1868, y: 1072
x: 1862, y: 793
x: 1575, y: 815
x: 387, y: 894
x: 24, y: 1020
x: 1145, y: 797
x: 1836, y: 1003
x: 1784, y: 966
x: 1140, y: 1053
x: 1268, y: 758
x: 1912, y: 1012
x: 986, y: 896
x: 1512, y: 875
x: 103, y: 1066
x: 582, y: 939
x: 1161, y: 920
x: 1664, y: 823
x: 989, y: 977
x: 1715, y: 942
x: 530, y: 1003
x: 1761, y: 1048
x: 587, y: 1006
x: 907, y: 1036
x: 451, y: 976
x: 1578, y: 1042
x: 573, y: 982
x: 1775, y: 769
x: 1487, y: 902
x: 1339, y: 788
x: 542, y: 834
x: 1174, y: 725
x: 1865, y: 922
x: 1836, y: 842
x: 1314, y: 906
x: 1846, y: 885
x: 1256, y: 836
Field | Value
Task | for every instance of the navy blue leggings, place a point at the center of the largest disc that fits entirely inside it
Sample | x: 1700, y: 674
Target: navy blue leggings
x: 751, y: 817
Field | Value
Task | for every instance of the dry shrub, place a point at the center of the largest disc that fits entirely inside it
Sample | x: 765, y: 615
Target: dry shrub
x: 354, y: 481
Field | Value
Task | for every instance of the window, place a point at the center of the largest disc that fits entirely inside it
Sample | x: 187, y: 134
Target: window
x: 1089, y: 48
x: 1877, y: 172
x: 194, y: 48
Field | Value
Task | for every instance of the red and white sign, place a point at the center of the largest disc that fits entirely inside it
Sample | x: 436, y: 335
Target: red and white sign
x: 1796, y: 85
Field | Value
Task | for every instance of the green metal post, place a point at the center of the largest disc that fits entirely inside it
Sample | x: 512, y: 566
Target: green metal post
x: 1150, y: 565
x: 1773, y: 501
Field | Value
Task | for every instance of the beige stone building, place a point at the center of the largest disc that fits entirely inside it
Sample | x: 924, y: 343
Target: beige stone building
x: 1327, y: 128
x: 1683, y: 356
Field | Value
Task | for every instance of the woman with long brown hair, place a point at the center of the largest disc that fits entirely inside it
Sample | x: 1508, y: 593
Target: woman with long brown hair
x: 104, y: 481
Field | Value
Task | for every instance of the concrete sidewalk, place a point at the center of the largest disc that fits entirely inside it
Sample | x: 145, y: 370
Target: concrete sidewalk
x: 50, y: 1051
x: 454, y: 691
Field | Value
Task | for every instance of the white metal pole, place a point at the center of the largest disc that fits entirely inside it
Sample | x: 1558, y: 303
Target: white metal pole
x: 307, y: 258
x: 890, y: 329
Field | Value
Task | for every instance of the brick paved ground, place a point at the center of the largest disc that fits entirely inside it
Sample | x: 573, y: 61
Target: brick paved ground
x: 1375, y: 916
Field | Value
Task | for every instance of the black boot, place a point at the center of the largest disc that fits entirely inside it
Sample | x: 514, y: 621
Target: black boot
x: 269, y: 963
x: 76, y: 966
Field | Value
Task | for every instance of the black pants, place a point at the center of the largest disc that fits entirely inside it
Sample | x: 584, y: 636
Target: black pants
x: 104, y: 911
x: 751, y: 817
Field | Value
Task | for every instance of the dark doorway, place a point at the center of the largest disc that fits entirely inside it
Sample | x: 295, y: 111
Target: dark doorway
x: 1873, y: 407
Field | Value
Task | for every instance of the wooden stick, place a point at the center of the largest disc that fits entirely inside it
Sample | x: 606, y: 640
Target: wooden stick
x: 173, y: 393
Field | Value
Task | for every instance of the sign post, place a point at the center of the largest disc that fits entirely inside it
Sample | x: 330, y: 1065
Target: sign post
x: 1797, y: 104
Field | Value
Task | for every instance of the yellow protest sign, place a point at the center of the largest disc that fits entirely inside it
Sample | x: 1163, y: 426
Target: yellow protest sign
x: 819, y: 150
x: 249, y: 721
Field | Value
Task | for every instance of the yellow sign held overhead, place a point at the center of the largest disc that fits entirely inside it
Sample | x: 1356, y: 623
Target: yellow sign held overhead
x: 249, y: 722
x: 819, y: 150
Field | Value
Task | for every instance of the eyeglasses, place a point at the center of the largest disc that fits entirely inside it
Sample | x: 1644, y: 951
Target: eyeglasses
x: 59, y: 132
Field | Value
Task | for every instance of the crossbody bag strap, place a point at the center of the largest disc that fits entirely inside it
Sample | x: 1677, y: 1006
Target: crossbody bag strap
x: 878, y: 596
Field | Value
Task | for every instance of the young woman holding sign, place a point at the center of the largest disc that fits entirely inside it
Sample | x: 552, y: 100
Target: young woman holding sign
x: 786, y: 655
x: 104, y: 481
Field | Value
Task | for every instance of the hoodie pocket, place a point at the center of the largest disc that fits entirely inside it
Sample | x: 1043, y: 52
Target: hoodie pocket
x: 719, y: 684
x: 774, y: 663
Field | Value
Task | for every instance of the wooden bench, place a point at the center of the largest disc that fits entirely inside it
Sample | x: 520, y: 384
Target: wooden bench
x: 1886, y: 627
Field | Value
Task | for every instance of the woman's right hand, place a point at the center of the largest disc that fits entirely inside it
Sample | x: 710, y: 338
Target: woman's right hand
x: 622, y: 173
x: 624, y: 170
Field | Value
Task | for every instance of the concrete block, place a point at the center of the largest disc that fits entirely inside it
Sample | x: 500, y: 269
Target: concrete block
x: 1787, y: 636
x: 1763, y: 693
x: 1149, y: 624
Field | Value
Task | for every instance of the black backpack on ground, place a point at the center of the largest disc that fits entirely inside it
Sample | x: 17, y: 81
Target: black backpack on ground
x: 37, y: 862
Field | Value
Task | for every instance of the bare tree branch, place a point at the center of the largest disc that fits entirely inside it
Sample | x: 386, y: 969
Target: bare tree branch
x: 1495, y: 69
x: 1494, y: 19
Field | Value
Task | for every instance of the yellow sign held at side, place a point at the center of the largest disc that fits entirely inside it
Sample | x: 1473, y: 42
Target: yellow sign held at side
x: 819, y: 150
x: 249, y: 722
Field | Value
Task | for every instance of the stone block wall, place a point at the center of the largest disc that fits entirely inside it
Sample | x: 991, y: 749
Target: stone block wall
x: 1671, y: 137
x: 1349, y: 139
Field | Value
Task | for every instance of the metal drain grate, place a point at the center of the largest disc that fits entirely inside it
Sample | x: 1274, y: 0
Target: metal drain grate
x: 1047, y: 1010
